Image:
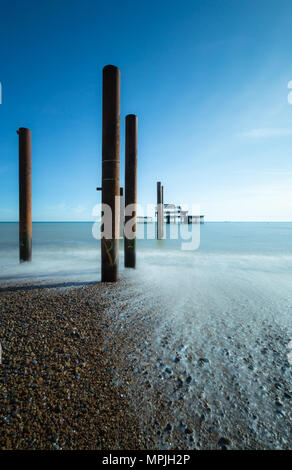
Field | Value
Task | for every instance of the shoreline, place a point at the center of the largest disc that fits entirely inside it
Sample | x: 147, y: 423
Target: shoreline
x: 104, y: 366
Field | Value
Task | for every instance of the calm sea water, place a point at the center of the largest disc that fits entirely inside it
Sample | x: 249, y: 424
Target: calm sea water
x: 70, y: 250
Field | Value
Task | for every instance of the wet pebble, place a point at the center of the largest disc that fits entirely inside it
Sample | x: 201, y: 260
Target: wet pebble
x: 168, y: 427
x: 223, y: 442
x: 202, y: 361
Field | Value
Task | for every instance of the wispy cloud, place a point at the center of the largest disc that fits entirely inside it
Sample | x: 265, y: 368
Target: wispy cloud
x: 264, y: 133
x: 65, y: 211
x: 80, y: 209
x: 63, y: 206
x: 6, y: 211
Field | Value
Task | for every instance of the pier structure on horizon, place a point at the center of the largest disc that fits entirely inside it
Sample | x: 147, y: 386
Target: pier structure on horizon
x: 172, y: 213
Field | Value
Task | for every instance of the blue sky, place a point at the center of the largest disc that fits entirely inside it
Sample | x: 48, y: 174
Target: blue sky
x: 208, y: 80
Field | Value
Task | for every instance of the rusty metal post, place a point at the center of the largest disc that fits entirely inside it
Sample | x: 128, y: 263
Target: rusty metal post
x: 131, y: 151
x: 160, y: 212
x: 111, y: 170
x: 162, y: 209
x: 25, y: 223
x: 122, y: 215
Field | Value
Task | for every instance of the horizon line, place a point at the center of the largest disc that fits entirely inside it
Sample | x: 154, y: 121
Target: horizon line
x: 153, y: 222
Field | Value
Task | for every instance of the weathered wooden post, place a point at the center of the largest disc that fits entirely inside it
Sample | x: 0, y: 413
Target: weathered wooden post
x: 131, y: 151
x: 25, y: 223
x: 160, y: 212
x: 110, y: 172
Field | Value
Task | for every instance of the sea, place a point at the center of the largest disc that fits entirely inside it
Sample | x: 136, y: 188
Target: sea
x: 226, y: 303
x: 69, y: 250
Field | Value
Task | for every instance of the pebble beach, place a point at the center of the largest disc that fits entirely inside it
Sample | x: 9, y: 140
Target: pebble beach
x: 81, y: 369
x: 56, y: 378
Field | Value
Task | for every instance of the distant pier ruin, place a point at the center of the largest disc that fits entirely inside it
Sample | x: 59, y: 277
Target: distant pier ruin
x: 171, y: 213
